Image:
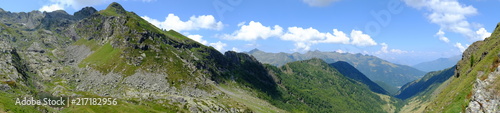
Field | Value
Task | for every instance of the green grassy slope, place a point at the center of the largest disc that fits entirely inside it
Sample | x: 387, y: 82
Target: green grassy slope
x: 425, y: 85
x: 480, y: 57
x: 314, y: 86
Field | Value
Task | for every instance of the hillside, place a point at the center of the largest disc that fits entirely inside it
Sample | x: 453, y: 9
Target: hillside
x: 374, y: 68
x: 349, y: 71
x: 114, y: 53
x: 425, y: 84
x: 314, y: 86
x: 438, y: 64
x: 475, y: 85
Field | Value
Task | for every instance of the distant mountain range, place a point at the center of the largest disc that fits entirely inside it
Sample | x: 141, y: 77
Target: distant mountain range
x: 374, y: 68
x: 438, y: 64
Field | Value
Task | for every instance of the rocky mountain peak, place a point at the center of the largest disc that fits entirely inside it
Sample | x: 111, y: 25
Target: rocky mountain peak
x: 84, y: 12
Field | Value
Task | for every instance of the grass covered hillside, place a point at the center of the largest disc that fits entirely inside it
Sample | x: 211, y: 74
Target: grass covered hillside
x: 349, y: 71
x: 314, y: 86
x: 479, y: 62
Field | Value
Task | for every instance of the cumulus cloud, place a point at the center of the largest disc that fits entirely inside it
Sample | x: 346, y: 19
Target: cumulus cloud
x: 460, y: 46
x: 50, y: 8
x: 298, y: 34
x: 198, y: 38
x: 254, y: 31
x: 218, y: 45
x: 360, y: 39
x: 194, y: 23
x: 385, y: 49
x: 441, y: 36
x: 303, y: 37
x: 319, y: 3
x: 450, y: 15
x: 482, y: 33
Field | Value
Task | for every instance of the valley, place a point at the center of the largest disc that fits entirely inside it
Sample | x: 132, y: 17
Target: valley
x: 114, y: 53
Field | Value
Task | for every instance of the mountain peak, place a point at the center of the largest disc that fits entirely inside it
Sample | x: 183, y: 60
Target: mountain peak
x: 114, y: 9
x: 254, y: 50
x: 85, y: 12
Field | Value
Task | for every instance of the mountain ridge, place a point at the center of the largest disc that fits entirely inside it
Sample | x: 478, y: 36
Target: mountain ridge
x: 349, y: 71
x: 113, y: 53
x: 371, y: 66
x: 438, y: 64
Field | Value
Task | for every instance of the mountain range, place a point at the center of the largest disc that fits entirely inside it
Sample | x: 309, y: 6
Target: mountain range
x: 376, y: 69
x: 438, y: 64
x: 113, y: 53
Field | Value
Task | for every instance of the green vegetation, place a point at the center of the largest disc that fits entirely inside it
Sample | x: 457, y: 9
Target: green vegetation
x: 477, y: 59
x: 106, y: 59
x: 314, y: 86
x: 424, y: 86
x: 374, y: 68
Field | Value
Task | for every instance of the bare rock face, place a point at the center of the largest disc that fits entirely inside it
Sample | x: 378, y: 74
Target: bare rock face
x: 484, y: 98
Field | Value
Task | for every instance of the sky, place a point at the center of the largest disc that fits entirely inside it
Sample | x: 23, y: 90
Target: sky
x: 401, y: 31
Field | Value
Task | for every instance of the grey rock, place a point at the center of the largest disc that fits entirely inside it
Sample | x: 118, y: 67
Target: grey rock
x: 4, y: 87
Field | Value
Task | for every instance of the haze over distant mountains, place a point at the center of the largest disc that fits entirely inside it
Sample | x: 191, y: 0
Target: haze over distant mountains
x: 438, y: 64
x: 376, y: 69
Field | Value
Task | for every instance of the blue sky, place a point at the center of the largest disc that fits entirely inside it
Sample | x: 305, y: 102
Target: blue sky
x: 400, y: 31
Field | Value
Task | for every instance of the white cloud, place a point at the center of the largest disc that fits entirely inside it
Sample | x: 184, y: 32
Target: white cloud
x: 337, y: 37
x: 298, y: 34
x: 398, y: 51
x: 198, y: 38
x: 50, y: 8
x: 319, y: 3
x: 460, y: 46
x: 340, y: 51
x: 218, y: 45
x: 303, y: 37
x: 236, y: 49
x: 482, y: 33
x: 441, y: 36
x: 360, y: 39
x: 194, y: 23
x: 450, y: 15
x: 385, y: 49
x: 254, y: 31
x: 77, y: 4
